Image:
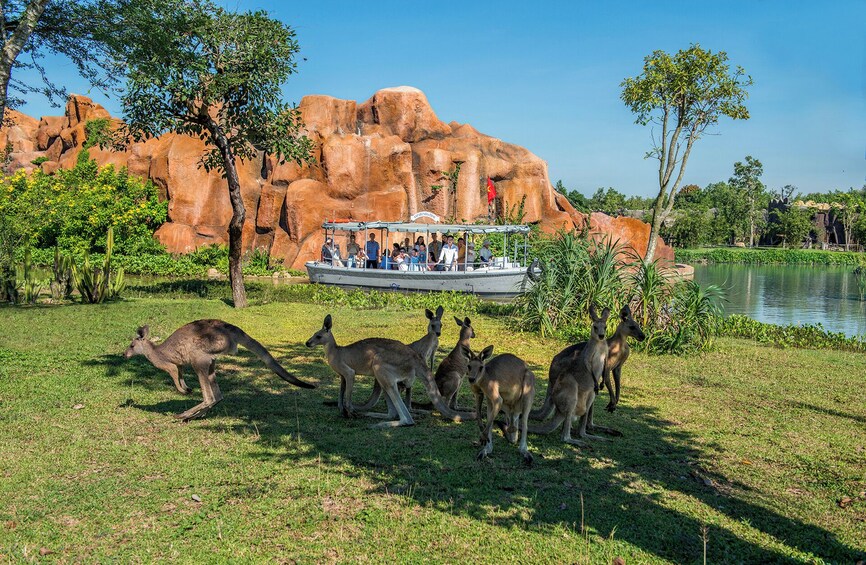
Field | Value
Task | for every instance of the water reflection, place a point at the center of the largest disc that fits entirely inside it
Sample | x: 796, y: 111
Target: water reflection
x: 791, y: 294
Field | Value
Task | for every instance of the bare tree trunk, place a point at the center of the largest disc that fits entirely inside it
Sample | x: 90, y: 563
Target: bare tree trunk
x: 13, y: 44
x: 655, y: 227
x: 239, y: 213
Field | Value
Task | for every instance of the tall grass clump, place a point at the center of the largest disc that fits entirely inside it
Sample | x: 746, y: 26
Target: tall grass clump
x: 579, y: 271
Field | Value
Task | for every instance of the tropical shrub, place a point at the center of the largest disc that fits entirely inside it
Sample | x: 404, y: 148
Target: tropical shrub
x: 776, y: 256
x: 809, y: 336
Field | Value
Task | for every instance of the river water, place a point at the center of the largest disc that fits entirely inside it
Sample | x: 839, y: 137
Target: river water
x: 791, y: 294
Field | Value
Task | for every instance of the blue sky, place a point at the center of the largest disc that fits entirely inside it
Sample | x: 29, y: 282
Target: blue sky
x: 546, y: 75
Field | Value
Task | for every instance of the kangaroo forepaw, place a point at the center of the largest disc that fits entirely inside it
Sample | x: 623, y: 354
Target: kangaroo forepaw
x: 611, y: 406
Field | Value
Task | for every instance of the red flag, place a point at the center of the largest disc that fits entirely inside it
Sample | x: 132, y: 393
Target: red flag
x: 491, y: 191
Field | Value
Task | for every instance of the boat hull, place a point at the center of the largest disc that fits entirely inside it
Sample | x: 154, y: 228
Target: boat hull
x: 493, y: 282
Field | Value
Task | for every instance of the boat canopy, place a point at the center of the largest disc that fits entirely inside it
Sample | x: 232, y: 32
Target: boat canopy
x: 432, y: 228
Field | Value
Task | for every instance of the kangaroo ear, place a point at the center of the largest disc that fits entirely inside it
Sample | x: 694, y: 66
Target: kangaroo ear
x: 467, y: 322
x: 459, y: 321
x: 428, y: 313
x: 143, y: 331
x: 327, y: 324
x: 439, y: 311
x: 488, y: 351
x: 625, y: 312
x: 605, y: 314
x: 592, y: 313
x: 466, y: 351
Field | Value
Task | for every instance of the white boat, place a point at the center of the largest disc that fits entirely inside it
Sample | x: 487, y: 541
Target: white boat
x: 507, y: 274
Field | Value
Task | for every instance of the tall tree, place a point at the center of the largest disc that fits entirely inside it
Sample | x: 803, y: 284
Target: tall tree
x: 35, y: 28
x: 747, y: 180
x: 195, y: 68
x: 684, y: 94
x: 848, y: 206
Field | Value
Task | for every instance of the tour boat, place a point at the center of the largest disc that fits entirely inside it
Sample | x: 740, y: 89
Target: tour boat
x: 507, y: 274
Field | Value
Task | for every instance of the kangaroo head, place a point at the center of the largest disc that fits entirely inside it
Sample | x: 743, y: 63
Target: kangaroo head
x: 598, y: 328
x: 139, y: 342
x: 478, y: 363
x: 629, y: 326
x: 435, y: 325
x: 466, y: 330
x: 323, y: 335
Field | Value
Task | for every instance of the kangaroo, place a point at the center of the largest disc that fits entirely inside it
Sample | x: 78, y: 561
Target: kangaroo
x: 197, y: 344
x: 574, y: 390
x: 618, y: 352
x: 391, y: 362
x: 450, y: 373
x: 425, y: 347
x: 506, y: 382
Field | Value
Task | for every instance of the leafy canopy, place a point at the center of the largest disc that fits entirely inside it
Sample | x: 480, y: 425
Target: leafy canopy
x: 195, y: 68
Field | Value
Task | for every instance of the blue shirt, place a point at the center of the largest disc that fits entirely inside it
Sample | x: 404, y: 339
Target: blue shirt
x: 372, y: 249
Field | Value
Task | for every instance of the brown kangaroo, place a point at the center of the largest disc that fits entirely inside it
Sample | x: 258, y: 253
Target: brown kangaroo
x: 425, y: 347
x: 506, y: 382
x: 197, y: 344
x: 391, y: 362
x: 574, y: 391
x: 450, y: 373
x: 618, y: 352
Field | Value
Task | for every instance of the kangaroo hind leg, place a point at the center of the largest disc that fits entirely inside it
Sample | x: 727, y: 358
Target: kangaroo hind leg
x: 388, y: 379
x: 206, y: 371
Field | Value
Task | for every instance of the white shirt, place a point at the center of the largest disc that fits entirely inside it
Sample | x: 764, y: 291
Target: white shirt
x: 448, y: 255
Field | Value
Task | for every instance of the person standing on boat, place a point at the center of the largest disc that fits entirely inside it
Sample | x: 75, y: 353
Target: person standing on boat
x: 422, y: 257
x: 486, y: 254
x: 352, y: 250
x: 435, y: 246
x: 372, y: 249
x: 461, y: 254
x: 448, y: 255
x: 327, y: 256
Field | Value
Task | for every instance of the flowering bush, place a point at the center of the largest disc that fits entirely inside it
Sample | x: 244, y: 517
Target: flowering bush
x: 74, y: 208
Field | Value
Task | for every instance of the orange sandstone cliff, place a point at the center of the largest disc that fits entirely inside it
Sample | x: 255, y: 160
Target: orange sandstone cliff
x: 379, y: 160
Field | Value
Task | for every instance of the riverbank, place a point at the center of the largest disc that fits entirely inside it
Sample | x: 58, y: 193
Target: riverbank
x: 743, y: 446
x: 769, y: 256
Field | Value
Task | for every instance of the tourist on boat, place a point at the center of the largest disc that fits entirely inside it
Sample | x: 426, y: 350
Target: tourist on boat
x: 386, y: 260
x: 395, y: 257
x: 418, y: 243
x: 352, y: 251
x: 361, y: 258
x: 461, y: 254
x: 448, y: 255
x: 402, y: 260
x: 414, y: 261
x: 327, y: 255
x: 336, y: 257
x: 485, y: 254
x: 422, y: 257
x: 435, y: 246
x: 470, y: 255
x: 372, y: 251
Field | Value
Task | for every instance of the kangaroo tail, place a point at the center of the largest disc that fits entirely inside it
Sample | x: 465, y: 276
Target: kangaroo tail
x: 373, y: 400
x: 433, y: 392
x: 549, y: 426
x: 268, y: 359
x: 544, y: 412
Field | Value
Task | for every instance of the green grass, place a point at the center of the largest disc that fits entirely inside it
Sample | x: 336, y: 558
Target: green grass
x: 756, y: 443
x: 775, y: 256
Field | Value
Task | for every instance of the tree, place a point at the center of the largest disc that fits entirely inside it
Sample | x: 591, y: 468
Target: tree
x: 848, y: 207
x: 610, y: 201
x: 747, y: 180
x: 31, y: 29
x: 684, y: 94
x: 732, y: 218
x: 195, y: 68
x: 792, y: 225
x: 692, y: 227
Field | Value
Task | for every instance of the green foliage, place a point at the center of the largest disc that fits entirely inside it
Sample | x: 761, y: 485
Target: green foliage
x: 73, y: 209
x: 747, y: 186
x: 810, y: 336
x: 692, y: 226
x: 29, y: 283
x: 579, y: 272
x: 777, y: 256
x: 39, y: 160
x: 97, y: 133
x: 860, y: 275
x: 62, y: 281
x: 792, y: 226
x: 96, y: 284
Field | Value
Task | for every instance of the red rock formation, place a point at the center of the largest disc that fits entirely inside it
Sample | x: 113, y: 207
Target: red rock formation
x: 383, y: 159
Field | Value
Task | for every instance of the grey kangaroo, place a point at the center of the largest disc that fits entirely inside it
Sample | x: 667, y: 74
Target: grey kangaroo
x: 425, y: 347
x: 618, y: 352
x: 391, y: 362
x: 452, y: 369
x: 574, y: 392
x: 197, y: 344
x: 507, y: 383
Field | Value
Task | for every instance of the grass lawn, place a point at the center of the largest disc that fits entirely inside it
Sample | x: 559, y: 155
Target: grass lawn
x: 752, y: 445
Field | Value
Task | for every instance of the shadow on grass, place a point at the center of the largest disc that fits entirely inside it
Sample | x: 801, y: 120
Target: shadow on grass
x: 827, y: 411
x: 632, y: 487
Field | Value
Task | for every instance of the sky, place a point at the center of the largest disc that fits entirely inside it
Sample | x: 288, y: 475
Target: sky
x: 546, y: 76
